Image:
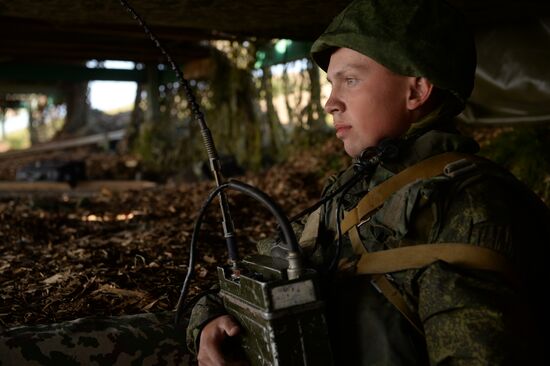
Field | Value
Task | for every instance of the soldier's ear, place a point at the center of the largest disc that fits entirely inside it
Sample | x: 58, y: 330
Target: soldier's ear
x: 419, y: 91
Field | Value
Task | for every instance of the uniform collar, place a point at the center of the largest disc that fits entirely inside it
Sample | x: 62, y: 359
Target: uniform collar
x: 428, y: 144
x: 412, y: 151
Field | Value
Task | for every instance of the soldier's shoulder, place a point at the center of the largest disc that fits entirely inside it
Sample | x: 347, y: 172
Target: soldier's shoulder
x: 334, y: 181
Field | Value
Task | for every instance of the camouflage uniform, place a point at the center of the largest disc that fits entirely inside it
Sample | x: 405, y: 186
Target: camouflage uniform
x: 467, y: 315
x: 145, y: 339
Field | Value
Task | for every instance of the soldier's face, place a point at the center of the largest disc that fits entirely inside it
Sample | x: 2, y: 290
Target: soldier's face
x: 368, y: 102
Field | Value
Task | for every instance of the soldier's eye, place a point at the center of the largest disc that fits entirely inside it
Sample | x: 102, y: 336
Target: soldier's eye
x: 351, y: 81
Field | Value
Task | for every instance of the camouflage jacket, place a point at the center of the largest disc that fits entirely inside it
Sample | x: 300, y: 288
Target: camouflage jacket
x: 143, y: 339
x: 470, y: 317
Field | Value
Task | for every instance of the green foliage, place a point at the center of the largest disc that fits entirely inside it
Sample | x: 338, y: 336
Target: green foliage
x: 231, y: 99
x: 525, y: 151
x: 169, y: 146
x: 172, y: 144
x: 234, y: 113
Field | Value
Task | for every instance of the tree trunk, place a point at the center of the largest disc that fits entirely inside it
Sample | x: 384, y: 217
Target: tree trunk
x: 136, y: 119
x: 77, y: 108
x: 273, y: 122
x: 2, y: 125
x: 316, y: 112
x: 152, y: 113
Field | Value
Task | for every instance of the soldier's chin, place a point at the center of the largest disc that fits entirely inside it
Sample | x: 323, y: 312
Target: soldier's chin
x: 352, y: 151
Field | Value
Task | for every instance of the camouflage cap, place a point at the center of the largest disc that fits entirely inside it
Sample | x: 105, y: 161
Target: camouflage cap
x: 426, y: 38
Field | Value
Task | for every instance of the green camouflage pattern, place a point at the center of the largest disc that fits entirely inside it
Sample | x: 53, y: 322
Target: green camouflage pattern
x: 470, y: 317
x: 144, y: 339
x: 426, y: 38
x: 206, y: 309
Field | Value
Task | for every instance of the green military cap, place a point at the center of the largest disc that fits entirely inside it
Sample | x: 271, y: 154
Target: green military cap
x: 426, y: 38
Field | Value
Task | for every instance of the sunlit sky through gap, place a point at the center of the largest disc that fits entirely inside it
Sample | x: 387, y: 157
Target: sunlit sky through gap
x: 104, y: 95
x: 112, y: 95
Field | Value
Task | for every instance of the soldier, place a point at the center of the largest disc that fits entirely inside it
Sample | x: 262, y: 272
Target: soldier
x: 463, y: 241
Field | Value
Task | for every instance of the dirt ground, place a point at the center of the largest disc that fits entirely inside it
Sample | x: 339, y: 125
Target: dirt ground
x: 63, y: 257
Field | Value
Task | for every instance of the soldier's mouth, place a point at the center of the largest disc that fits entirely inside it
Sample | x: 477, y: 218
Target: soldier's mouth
x: 342, y: 130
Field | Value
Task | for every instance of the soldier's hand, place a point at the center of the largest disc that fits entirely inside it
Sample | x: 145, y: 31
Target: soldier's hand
x: 217, y: 344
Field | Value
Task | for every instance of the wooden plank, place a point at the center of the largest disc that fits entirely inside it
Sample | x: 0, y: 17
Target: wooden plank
x: 65, y: 144
x: 13, y: 186
x: 84, y: 188
x: 114, y: 185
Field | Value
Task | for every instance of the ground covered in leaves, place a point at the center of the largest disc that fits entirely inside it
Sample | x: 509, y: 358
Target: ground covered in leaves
x: 113, y: 253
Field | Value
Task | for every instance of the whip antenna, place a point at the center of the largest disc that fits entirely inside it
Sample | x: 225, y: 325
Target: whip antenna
x: 215, y: 167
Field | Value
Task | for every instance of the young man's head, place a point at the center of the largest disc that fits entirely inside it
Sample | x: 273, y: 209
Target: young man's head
x: 391, y: 62
x: 369, y: 102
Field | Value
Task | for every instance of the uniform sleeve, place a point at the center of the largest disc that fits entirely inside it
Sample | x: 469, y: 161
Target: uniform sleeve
x: 206, y: 309
x: 465, y: 316
x: 274, y: 245
x: 474, y: 317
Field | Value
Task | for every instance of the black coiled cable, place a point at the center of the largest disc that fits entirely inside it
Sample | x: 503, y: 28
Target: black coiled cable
x: 284, y: 225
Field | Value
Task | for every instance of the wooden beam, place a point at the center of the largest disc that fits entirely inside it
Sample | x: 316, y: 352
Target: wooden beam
x: 41, y: 74
x: 22, y: 51
x: 7, y: 87
x: 40, y: 40
x: 29, y: 28
x: 83, y: 188
x: 56, y: 73
x: 64, y: 144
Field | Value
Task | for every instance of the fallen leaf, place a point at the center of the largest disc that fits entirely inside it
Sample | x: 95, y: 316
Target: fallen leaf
x: 153, y: 265
x: 202, y: 272
x: 109, y: 289
x: 208, y: 259
x: 58, y: 277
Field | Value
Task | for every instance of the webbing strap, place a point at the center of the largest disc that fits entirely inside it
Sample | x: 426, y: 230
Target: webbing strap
x: 422, y: 255
x: 311, y: 231
x: 396, y: 298
x: 425, y: 169
x: 386, y: 288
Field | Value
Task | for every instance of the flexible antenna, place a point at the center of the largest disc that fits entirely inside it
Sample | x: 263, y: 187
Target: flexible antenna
x: 215, y: 167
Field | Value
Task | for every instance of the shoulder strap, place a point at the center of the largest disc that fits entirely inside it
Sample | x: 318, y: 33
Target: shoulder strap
x: 385, y: 287
x: 378, y: 264
x: 310, y: 233
x: 425, y: 169
x: 422, y: 255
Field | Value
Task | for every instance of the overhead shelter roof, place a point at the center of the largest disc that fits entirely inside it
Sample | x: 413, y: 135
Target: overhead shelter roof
x: 512, y: 84
x: 86, y: 29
